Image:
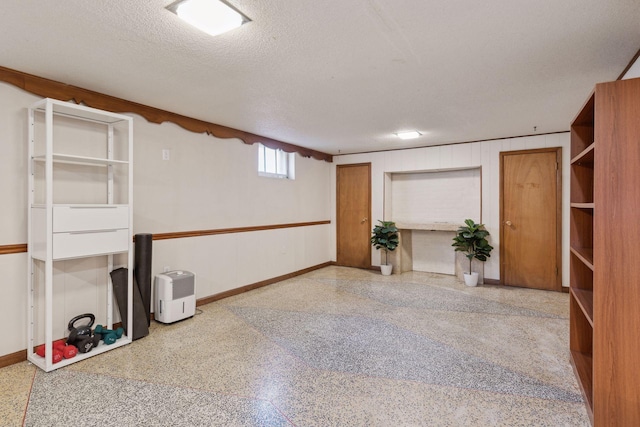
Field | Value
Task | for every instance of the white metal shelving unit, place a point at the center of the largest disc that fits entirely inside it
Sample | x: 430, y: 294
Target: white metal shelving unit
x: 62, y: 231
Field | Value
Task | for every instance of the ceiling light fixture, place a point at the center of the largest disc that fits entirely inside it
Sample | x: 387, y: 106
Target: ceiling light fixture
x: 412, y: 134
x: 211, y: 16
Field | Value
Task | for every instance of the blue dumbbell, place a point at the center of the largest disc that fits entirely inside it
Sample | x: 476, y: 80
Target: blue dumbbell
x: 109, y: 336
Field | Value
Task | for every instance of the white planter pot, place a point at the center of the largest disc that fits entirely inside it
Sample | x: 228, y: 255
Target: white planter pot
x: 471, y: 279
x: 386, y: 269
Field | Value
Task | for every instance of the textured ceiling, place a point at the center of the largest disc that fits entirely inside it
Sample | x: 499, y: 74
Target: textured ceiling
x: 338, y: 76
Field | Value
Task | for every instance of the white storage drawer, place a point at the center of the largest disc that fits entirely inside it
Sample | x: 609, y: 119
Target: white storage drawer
x: 87, y: 218
x: 89, y: 243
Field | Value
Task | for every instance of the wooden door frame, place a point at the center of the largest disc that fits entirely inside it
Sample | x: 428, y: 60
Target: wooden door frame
x: 558, y: 151
x: 368, y: 164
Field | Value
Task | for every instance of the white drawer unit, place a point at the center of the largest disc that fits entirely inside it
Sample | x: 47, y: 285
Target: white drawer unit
x: 88, y: 153
x: 90, y: 217
x: 89, y: 243
x: 80, y: 231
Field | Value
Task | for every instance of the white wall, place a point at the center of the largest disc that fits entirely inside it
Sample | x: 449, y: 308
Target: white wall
x: 484, y: 154
x: 633, y: 71
x: 208, y: 183
x: 432, y: 197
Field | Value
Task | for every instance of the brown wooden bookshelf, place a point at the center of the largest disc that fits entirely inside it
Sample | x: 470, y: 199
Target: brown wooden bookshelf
x: 604, y: 295
x: 585, y: 157
x: 583, y: 205
x: 585, y: 255
x: 583, y: 368
x: 584, y: 298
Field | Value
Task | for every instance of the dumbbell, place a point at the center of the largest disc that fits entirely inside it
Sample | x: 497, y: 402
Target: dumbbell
x: 68, y: 350
x: 54, y: 345
x: 60, y: 350
x: 109, y: 336
x: 56, y: 357
x: 86, y: 343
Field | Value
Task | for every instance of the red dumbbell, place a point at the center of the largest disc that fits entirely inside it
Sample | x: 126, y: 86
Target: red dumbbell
x: 58, y: 347
x: 57, y: 354
x: 68, y: 351
x: 40, y: 350
x: 60, y: 351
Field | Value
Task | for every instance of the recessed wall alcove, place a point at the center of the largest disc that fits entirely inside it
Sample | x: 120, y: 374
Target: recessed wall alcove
x: 428, y: 206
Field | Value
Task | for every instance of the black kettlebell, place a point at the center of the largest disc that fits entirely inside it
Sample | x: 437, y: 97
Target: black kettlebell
x: 81, y: 336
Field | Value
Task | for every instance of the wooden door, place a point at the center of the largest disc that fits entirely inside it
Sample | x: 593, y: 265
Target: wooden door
x: 530, y: 207
x: 353, y: 195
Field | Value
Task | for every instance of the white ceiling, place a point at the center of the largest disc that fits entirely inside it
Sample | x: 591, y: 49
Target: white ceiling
x: 338, y: 76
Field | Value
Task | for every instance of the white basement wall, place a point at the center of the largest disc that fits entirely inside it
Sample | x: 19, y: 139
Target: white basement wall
x: 434, y: 197
x: 439, y: 198
x: 633, y: 71
x: 483, y: 154
x: 208, y: 183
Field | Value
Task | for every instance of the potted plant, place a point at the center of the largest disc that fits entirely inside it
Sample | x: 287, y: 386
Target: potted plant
x: 472, y: 240
x: 385, y: 237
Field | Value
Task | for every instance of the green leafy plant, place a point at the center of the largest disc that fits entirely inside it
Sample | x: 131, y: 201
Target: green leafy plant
x: 472, y: 240
x: 385, y: 237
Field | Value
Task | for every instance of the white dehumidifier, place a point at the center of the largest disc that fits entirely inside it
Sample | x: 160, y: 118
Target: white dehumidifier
x: 175, y: 297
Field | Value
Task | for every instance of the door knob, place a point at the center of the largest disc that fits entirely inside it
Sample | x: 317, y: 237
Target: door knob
x: 508, y: 223
x: 363, y: 220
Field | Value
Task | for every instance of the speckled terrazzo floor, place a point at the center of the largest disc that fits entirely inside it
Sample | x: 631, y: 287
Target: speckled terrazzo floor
x: 334, y: 347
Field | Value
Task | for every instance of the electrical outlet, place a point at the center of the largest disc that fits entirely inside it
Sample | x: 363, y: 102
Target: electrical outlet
x: 166, y: 268
x: 166, y: 154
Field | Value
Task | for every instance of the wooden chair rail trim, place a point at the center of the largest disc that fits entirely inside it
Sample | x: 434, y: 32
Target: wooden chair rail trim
x: 199, y: 233
x: 13, y: 249
x: 21, y: 356
x: 64, y: 92
x: 22, y: 247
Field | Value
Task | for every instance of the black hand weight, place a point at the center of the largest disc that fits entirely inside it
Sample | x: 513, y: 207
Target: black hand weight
x: 80, y: 336
x: 87, y: 342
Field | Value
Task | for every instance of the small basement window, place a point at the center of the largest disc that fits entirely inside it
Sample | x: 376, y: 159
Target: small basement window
x: 275, y: 163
